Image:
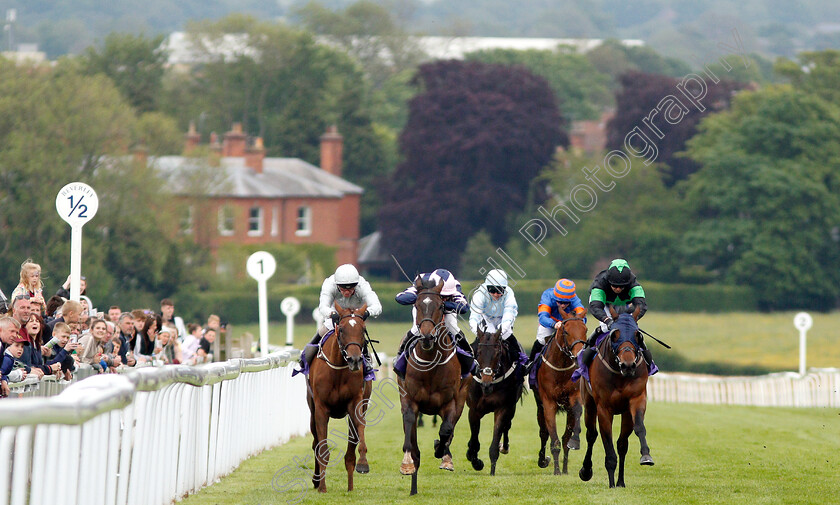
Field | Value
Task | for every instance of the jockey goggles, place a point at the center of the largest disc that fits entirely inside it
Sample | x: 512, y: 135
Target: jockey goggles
x: 496, y: 290
x: 347, y: 286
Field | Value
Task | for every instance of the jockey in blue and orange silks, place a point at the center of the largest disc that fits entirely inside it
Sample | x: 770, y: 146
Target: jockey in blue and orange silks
x: 561, y: 296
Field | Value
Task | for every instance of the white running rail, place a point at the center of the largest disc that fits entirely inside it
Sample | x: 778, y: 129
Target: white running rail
x: 149, y: 436
x: 820, y: 387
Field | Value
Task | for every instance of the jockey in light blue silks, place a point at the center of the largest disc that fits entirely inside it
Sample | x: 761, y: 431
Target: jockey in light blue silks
x: 494, y: 303
x: 454, y: 303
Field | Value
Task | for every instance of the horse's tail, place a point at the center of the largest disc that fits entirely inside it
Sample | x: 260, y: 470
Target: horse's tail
x: 521, y: 393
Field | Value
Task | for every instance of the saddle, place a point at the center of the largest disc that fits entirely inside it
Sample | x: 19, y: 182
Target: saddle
x: 465, y: 358
x: 314, y: 350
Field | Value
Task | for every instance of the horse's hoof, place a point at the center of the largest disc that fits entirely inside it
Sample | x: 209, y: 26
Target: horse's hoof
x: 503, y: 449
x: 574, y: 444
x: 440, y: 449
x: 362, y: 468
x: 646, y: 460
x: 446, y: 463
x: 543, y: 462
x: 477, y: 464
x: 407, y: 469
x: 585, y: 474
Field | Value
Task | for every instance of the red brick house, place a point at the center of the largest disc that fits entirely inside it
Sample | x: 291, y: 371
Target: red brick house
x: 242, y: 197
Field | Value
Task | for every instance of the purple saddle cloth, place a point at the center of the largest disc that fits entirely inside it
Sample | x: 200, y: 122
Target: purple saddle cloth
x: 583, y: 369
x: 369, y: 371
x: 401, y: 362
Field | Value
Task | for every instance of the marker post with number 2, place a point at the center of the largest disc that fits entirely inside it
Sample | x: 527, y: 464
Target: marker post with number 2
x: 261, y: 266
x: 76, y: 203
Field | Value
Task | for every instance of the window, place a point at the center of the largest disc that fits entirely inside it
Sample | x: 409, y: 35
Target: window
x: 275, y: 221
x: 304, y: 222
x: 255, y: 221
x: 187, y: 220
x: 226, y: 221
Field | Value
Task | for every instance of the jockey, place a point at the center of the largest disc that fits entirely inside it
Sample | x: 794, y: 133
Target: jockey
x: 560, y: 297
x: 454, y: 303
x: 495, y: 303
x: 615, y: 286
x: 351, y: 291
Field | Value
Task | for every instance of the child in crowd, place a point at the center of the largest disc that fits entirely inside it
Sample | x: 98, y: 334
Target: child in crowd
x: 12, y: 368
x: 112, y: 356
x: 63, y: 356
x: 191, y: 343
x: 204, y: 353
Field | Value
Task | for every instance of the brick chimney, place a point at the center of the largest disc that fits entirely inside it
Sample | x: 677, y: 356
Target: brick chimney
x: 215, y: 146
x: 255, y: 154
x: 332, y: 144
x: 234, y: 142
x: 192, y: 139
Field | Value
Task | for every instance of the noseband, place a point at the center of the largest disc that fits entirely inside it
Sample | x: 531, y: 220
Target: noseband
x: 567, y: 348
x: 342, y: 347
x: 436, y: 332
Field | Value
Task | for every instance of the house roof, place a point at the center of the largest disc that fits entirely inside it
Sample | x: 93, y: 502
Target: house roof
x: 371, y: 250
x: 280, y: 178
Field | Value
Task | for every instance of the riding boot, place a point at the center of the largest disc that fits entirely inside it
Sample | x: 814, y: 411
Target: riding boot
x: 645, y: 352
x: 404, y: 342
x: 467, y: 361
x: 588, y: 352
x: 310, y: 350
x: 535, y: 351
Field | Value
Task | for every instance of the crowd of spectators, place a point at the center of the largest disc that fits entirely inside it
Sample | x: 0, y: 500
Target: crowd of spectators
x: 41, y: 337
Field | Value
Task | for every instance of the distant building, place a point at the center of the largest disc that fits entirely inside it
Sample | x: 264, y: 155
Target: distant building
x: 26, y: 53
x: 590, y: 136
x: 257, y: 200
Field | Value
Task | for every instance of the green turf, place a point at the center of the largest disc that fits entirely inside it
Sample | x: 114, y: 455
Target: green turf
x: 768, y: 340
x: 704, y: 455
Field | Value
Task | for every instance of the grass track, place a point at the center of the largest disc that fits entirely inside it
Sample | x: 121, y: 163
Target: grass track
x: 704, y: 455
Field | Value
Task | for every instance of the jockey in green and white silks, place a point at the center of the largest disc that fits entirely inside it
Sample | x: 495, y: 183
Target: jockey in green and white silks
x: 616, y: 286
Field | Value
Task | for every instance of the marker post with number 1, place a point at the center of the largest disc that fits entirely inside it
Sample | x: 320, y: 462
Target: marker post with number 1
x: 76, y: 203
x: 261, y: 266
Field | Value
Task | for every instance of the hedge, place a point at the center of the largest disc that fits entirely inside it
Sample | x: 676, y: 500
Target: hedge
x: 240, y: 306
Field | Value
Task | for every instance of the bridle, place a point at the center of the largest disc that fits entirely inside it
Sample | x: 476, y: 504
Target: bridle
x: 496, y: 373
x: 626, y: 346
x: 436, y: 325
x: 342, y: 347
x: 565, y: 348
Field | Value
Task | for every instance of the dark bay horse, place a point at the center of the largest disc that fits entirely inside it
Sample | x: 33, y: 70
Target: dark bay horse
x: 496, y: 388
x: 432, y: 383
x: 336, y: 389
x: 556, y: 391
x: 618, y: 378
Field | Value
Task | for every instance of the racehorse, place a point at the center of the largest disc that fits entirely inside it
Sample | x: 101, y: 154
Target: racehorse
x: 556, y: 391
x: 496, y: 388
x: 336, y: 389
x: 432, y: 383
x: 618, y: 385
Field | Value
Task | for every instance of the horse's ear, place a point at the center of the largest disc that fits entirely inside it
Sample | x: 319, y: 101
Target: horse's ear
x: 583, y: 312
x: 361, y: 310
x: 613, y: 313
x: 637, y: 311
x: 439, y: 286
x: 562, y: 314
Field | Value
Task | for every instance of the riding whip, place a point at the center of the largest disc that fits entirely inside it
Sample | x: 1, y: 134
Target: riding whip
x: 663, y: 344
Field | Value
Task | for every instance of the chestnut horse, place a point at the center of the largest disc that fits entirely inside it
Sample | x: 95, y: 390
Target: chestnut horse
x: 496, y: 388
x: 556, y: 391
x: 337, y: 388
x: 432, y: 383
x: 618, y: 385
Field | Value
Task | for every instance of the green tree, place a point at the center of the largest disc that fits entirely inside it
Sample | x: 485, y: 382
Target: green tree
x: 815, y: 72
x: 134, y: 62
x: 582, y: 91
x: 767, y: 197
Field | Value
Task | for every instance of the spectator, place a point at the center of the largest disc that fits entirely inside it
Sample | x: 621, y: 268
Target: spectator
x: 191, y: 343
x: 168, y: 318
x: 127, y: 336
x: 146, y: 340
x: 114, y: 314
x: 204, y: 353
x: 214, y: 322
x: 166, y: 349
x: 53, y: 305
x: 30, y: 284
x: 85, y: 316
x: 21, y: 311
x: 93, y: 345
x: 64, y: 290
x: 35, y: 330
x: 12, y: 368
x: 9, y: 331
x: 61, y: 340
x: 112, y: 354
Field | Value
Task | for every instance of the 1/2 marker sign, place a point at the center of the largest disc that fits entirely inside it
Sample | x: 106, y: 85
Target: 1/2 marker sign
x: 76, y: 203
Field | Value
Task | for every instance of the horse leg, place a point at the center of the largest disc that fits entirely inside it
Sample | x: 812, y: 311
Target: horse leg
x: 637, y: 409
x: 474, y: 445
x: 501, y: 425
x: 550, y: 418
x: 605, y: 425
x: 409, y: 412
x: 361, y: 413
x: 447, y: 430
x: 415, y: 454
x: 505, y: 447
x: 567, y: 436
x: 589, y: 416
x: 322, y: 449
x: 576, y: 410
x: 313, y: 428
x: 622, y: 443
x: 542, y: 461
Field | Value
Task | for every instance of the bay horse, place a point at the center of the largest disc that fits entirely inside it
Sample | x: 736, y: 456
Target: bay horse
x: 337, y: 389
x: 496, y: 388
x: 556, y: 391
x: 432, y: 383
x: 618, y: 385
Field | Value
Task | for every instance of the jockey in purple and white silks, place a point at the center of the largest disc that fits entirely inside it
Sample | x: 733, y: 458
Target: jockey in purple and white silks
x: 454, y: 303
x: 494, y: 304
